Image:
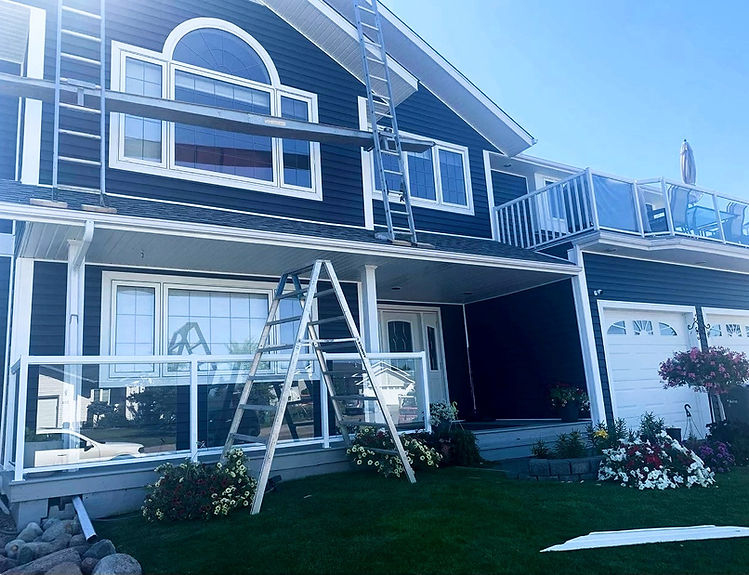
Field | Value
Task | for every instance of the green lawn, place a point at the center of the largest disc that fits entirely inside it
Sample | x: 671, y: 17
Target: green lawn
x: 452, y: 521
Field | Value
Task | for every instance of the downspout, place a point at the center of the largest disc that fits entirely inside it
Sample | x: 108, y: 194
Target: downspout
x: 468, y: 356
x: 8, y: 335
x: 75, y: 304
x: 86, y: 526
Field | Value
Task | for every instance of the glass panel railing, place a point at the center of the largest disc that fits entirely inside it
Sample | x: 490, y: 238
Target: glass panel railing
x: 653, y: 208
x: 616, y: 204
x: 734, y: 218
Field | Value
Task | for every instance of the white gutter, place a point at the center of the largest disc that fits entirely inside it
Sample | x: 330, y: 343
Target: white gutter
x: 225, y: 233
x: 86, y: 526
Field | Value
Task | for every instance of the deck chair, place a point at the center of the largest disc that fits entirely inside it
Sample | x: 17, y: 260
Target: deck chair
x: 733, y: 228
x: 679, y: 201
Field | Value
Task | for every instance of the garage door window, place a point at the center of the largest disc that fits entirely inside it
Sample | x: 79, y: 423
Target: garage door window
x: 715, y: 331
x: 666, y: 330
x: 617, y: 328
x: 733, y: 330
x: 642, y: 327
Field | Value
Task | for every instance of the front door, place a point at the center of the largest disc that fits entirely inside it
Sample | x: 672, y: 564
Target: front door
x: 415, y: 331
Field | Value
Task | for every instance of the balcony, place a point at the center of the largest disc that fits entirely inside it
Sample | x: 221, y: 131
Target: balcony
x: 592, y: 202
x: 69, y: 413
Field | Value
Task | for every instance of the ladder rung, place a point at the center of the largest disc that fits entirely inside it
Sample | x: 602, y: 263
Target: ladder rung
x: 295, y: 293
x: 383, y: 451
x: 353, y: 398
x: 78, y: 189
x: 365, y: 9
x: 77, y: 108
x: 379, y: 78
x: 251, y: 407
x: 271, y: 348
x: 370, y: 26
x: 79, y: 161
x: 325, y: 292
x: 369, y: 42
x: 285, y: 320
x: 328, y: 320
x: 80, y: 35
x: 359, y: 423
x: 79, y: 83
x: 398, y: 173
x: 267, y: 377
x: 249, y: 438
x: 81, y: 12
x: 332, y: 340
x: 77, y: 58
x: 80, y: 134
x: 373, y: 59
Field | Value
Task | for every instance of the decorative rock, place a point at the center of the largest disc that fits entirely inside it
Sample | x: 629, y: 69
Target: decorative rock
x: 88, y: 564
x: 12, y: 548
x: 559, y: 467
x: 30, y: 532
x: 62, y: 541
x: 26, y: 554
x: 118, y: 564
x: 6, y: 564
x: 49, y: 522
x: 38, y: 548
x: 79, y: 539
x: 81, y: 549
x: 76, y: 526
x: 43, y: 564
x: 65, y: 569
x: 100, y: 549
x: 538, y: 467
x: 57, y: 529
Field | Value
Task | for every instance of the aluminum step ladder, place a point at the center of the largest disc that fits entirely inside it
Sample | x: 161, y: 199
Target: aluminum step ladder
x: 78, y: 160
x: 389, y: 161
x: 307, y: 334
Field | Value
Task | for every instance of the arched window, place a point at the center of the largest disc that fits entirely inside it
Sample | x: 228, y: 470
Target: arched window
x: 214, y: 63
x: 617, y: 328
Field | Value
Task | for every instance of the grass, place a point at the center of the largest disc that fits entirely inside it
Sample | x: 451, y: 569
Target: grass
x: 452, y: 521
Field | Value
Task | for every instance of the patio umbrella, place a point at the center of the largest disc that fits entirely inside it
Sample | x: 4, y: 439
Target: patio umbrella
x: 688, y: 168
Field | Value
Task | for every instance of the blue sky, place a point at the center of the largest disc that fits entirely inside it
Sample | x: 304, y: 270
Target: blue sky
x: 614, y: 85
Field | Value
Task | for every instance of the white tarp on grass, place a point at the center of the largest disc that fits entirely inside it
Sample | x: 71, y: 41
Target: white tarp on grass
x: 598, y: 539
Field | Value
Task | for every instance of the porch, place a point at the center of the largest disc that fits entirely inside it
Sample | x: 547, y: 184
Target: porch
x: 590, y: 202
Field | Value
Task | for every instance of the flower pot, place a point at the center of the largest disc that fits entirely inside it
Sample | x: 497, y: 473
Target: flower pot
x: 570, y: 412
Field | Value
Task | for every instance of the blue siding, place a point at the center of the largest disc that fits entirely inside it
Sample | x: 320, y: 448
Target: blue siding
x: 4, y: 309
x: 425, y: 114
x: 8, y: 127
x: 630, y: 280
x: 507, y: 187
x: 521, y: 345
x: 48, y: 309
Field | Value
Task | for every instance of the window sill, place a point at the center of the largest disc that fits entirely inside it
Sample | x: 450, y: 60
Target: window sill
x: 420, y: 203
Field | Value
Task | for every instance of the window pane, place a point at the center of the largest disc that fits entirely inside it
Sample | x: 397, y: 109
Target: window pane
x: 432, y: 347
x: 421, y: 175
x: 453, y: 178
x: 399, y: 336
x: 296, y: 153
x: 134, y: 325
x: 221, y: 51
x: 389, y: 162
x: 142, y: 135
x: 217, y: 150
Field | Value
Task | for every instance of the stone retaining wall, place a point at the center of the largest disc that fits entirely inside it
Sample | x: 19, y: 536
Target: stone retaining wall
x: 564, y: 469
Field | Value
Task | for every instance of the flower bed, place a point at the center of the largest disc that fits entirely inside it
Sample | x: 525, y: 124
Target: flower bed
x: 370, y: 442
x: 658, y: 462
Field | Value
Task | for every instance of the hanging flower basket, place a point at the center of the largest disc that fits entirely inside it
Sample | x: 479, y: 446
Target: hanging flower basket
x: 715, y: 371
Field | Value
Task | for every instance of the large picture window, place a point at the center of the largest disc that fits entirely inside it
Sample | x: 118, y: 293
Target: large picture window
x: 213, y: 63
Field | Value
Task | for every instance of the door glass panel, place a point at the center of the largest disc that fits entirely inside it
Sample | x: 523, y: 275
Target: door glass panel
x: 432, y: 348
x: 399, y: 336
x: 134, y: 325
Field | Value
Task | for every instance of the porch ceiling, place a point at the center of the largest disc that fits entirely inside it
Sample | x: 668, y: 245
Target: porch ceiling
x: 423, y: 279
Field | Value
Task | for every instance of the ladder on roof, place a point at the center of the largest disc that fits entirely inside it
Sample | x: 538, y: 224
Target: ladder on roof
x: 78, y: 160
x: 389, y: 161
x: 307, y: 334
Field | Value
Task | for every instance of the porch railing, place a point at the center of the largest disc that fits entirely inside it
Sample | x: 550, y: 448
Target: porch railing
x: 592, y: 201
x: 65, y: 412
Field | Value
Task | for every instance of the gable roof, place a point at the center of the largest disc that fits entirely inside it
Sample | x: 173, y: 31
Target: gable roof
x: 330, y: 24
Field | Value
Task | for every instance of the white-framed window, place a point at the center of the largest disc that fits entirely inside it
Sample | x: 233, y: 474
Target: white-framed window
x: 438, y: 178
x: 212, y: 62
x: 144, y: 314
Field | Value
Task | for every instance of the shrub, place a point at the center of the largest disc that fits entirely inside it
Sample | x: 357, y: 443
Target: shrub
x: 716, y: 454
x: 716, y: 370
x: 458, y: 447
x: 541, y: 450
x: 199, y: 491
x: 562, y: 394
x: 441, y: 415
x: 369, y: 439
x: 659, y: 464
x: 570, y: 445
x: 735, y: 435
x: 603, y: 436
x: 651, y: 427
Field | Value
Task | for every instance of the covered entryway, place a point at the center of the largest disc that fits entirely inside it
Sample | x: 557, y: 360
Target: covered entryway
x: 637, y: 338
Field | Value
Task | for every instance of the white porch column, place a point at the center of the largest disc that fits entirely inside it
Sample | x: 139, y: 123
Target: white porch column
x: 587, y: 339
x: 370, y: 327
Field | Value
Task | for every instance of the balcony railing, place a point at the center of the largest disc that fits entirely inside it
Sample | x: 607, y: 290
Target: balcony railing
x: 590, y: 201
x: 65, y: 413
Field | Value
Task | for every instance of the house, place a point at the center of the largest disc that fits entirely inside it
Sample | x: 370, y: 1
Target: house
x: 134, y: 301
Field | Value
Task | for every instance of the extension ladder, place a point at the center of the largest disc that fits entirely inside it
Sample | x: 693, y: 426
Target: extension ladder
x: 79, y: 127
x: 307, y: 334
x: 389, y: 161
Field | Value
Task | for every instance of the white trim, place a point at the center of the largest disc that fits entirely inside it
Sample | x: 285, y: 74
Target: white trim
x: 167, y: 167
x: 32, y: 115
x: 490, y: 194
x: 586, y: 333
x: 541, y: 180
x: 725, y: 311
x: 216, y: 232
x: 367, y: 169
x: 370, y: 327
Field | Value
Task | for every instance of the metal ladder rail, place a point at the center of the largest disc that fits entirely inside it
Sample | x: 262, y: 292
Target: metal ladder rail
x: 380, y: 134
x: 61, y: 31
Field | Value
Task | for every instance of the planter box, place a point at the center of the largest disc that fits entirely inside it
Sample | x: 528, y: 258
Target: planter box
x: 564, y: 469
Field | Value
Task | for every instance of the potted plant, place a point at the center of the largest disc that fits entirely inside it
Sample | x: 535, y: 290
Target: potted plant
x: 715, y: 371
x: 569, y: 401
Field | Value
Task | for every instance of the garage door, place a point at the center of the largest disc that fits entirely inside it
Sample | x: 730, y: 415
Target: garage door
x: 728, y: 329
x: 636, y: 342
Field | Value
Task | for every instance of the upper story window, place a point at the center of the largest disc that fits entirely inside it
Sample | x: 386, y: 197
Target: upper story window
x: 214, y: 63
x: 438, y: 178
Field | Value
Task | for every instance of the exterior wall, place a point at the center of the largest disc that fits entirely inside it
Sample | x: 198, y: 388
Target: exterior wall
x: 507, y: 187
x: 4, y: 315
x: 522, y: 344
x: 8, y: 128
x: 630, y: 280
